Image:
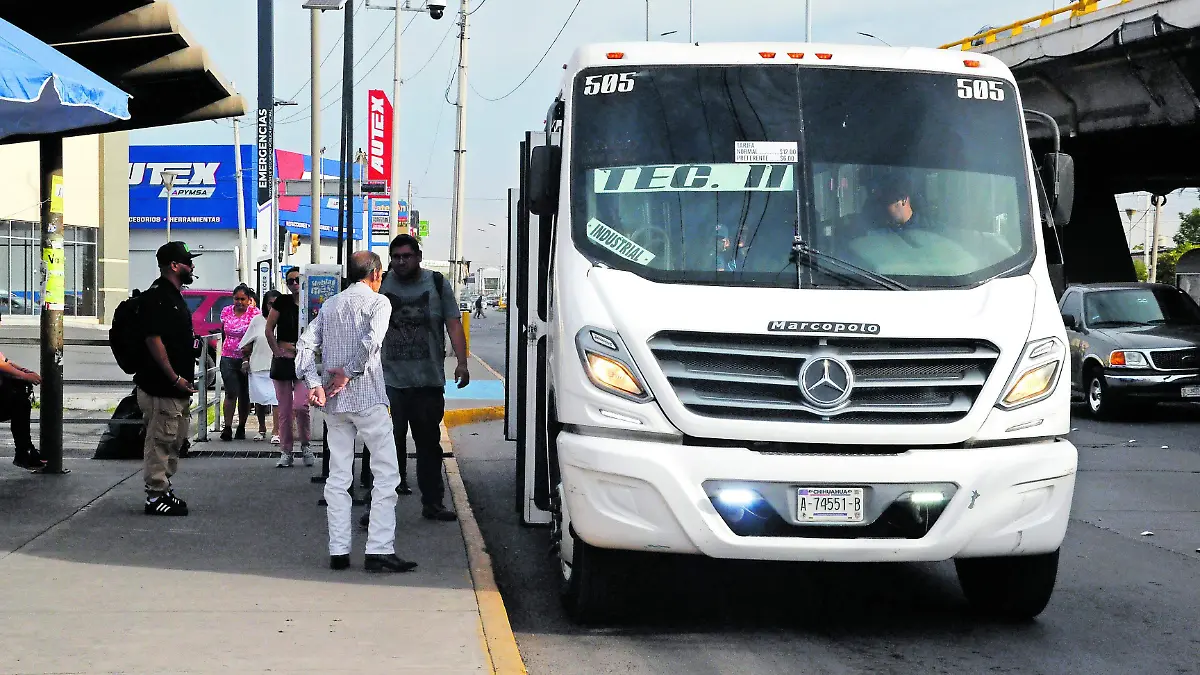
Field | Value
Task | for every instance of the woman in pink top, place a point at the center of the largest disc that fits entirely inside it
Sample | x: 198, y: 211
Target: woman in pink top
x: 235, y: 319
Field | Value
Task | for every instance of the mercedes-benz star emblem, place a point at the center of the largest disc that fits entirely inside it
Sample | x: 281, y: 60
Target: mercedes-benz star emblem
x: 826, y: 382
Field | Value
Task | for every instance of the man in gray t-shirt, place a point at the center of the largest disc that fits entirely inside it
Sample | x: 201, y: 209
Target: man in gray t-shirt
x: 414, y: 358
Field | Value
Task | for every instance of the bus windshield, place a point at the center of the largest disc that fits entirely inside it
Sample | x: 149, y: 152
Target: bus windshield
x: 711, y: 175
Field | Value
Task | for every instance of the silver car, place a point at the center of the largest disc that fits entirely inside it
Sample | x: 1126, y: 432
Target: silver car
x: 1132, y: 343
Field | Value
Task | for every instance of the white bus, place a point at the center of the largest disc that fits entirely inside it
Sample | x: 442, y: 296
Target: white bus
x: 790, y: 302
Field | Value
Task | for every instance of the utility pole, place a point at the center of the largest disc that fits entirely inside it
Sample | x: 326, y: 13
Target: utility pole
x: 315, y: 131
x: 394, y: 179
x: 808, y: 20
x: 691, y: 22
x: 647, y: 20
x: 243, y: 240
x: 1158, y: 201
x: 411, y: 229
x: 460, y: 151
x: 50, y: 154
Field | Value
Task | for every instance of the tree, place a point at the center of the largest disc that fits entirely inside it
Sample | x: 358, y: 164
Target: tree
x: 1140, y: 268
x: 1168, y: 259
x: 1189, y: 228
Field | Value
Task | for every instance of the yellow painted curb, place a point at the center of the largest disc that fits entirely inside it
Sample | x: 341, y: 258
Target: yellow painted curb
x: 456, y: 418
x: 500, y: 645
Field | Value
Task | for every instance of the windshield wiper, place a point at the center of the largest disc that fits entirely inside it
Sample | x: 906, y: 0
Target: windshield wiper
x: 1119, y: 322
x: 800, y: 249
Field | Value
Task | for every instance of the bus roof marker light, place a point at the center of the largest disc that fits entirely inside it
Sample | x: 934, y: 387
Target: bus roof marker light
x: 767, y: 55
x: 616, y: 55
x: 824, y: 57
x: 796, y: 55
x: 970, y: 63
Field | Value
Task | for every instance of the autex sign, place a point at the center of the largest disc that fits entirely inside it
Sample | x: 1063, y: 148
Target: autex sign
x: 203, y: 193
x: 379, y: 149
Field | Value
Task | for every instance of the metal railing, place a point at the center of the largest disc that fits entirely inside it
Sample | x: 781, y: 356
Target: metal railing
x: 1075, y: 10
x: 205, y: 373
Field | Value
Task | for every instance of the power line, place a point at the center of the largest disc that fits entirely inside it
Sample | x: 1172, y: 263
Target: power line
x: 300, y: 116
x: 477, y: 8
x: 539, y: 63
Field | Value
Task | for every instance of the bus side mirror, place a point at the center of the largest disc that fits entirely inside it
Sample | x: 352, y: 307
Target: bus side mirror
x: 545, y: 163
x: 1059, y: 169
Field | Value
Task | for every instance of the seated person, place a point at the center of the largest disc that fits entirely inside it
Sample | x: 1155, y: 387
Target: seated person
x: 892, y: 238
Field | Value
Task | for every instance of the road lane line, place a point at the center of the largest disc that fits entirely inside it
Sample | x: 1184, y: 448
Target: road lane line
x: 489, y: 368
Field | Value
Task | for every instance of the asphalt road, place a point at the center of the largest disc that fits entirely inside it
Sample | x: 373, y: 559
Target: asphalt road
x: 1124, y: 602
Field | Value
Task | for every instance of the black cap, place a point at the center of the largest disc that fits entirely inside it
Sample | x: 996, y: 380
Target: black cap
x: 175, y: 251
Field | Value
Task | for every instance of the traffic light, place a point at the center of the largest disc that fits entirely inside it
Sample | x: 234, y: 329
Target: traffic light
x: 414, y: 217
x: 295, y: 243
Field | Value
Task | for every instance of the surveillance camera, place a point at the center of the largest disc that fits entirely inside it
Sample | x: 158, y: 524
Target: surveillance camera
x: 437, y: 9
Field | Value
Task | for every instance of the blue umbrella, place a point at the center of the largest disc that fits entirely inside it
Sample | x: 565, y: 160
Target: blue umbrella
x: 78, y: 99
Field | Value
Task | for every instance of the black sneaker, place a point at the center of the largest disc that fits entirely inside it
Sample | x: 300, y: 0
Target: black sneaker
x: 339, y: 562
x: 165, y: 504
x: 240, y: 434
x: 387, y: 563
x: 438, y: 512
x: 402, y: 488
x: 227, y: 434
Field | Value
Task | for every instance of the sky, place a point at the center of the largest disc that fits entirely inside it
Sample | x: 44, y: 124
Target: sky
x: 507, y: 38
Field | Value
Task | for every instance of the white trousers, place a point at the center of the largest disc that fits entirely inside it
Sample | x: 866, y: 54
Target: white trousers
x: 374, y: 426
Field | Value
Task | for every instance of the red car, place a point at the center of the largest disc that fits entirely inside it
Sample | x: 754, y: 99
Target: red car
x: 206, y: 309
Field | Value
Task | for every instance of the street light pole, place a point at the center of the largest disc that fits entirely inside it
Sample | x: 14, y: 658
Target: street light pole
x: 168, y: 179
x: 647, y: 20
x: 691, y: 22
x: 315, y: 137
x: 808, y: 20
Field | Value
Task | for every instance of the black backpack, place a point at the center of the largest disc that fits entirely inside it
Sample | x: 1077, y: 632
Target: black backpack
x: 126, y: 338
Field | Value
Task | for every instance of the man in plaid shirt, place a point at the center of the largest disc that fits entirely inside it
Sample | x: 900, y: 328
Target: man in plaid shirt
x: 348, y: 332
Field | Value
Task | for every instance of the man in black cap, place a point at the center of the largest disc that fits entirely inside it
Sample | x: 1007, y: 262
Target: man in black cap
x: 164, y: 378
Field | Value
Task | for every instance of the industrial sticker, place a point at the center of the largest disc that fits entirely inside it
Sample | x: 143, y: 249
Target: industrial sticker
x: 56, y: 194
x: 54, y: 275
x: 617, y: 243
x: 695, y: 178
x: 765, y: 151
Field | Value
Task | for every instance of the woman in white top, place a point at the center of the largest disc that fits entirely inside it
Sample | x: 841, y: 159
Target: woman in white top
x: 258, y: 365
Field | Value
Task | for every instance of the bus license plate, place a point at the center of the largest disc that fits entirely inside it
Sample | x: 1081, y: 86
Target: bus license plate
x: 829, y: 505
x: 1191, y: 392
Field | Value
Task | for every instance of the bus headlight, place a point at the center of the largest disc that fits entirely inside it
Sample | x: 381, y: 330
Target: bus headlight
x: 1035, y: 376
x: 609, y: 364
x: 609, y: 373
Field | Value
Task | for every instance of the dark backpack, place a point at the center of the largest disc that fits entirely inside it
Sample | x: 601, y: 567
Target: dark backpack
x: 126, y: 338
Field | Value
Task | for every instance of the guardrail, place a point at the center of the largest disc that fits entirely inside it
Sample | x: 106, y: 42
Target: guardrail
x: 205, y: 372
x: 1075, y: 9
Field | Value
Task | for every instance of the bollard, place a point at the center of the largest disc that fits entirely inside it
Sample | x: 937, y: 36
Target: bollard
x: 466, y: 323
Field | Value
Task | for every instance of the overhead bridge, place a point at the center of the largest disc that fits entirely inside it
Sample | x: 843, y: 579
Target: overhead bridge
x: 1120, y: 77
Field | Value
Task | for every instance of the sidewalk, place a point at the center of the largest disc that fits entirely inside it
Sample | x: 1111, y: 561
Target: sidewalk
x: 242, y: 584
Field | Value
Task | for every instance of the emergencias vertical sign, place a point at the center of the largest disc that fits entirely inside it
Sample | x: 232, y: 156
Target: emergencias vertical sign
x: 264, y: 122
x: 379, y: 149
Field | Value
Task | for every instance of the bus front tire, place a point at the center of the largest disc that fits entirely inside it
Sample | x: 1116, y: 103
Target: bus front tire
x: 1015, y: 588
x: 588, y: 584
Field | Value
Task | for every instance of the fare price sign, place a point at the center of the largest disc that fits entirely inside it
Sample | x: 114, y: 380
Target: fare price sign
x: 379, y: 147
